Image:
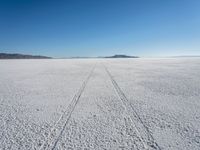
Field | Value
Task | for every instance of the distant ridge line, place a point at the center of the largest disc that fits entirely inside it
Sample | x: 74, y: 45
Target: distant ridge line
x: 21, y: 56
x: 121, y: 56
x: 87, y: 57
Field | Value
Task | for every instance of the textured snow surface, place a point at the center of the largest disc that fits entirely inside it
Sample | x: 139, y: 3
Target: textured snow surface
x: 100, y: 104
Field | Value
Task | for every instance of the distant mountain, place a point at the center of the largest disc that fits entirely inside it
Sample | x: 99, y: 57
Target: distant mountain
x: 121, y: 56
x: 21, y: 56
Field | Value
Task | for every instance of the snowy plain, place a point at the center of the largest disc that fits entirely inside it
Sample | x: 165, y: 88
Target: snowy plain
x: 143, y: 103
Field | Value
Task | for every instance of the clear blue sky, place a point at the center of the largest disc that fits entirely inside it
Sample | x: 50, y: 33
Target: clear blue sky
x: 62, y: 28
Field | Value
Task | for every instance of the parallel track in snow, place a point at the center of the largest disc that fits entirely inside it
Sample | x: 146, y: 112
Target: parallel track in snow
x: 57, y: 130
x: 142, y: 130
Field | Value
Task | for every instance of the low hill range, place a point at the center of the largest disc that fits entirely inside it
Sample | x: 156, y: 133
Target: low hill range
x: 114, y: 56
x: 121, y: 56
x: 21, y: 56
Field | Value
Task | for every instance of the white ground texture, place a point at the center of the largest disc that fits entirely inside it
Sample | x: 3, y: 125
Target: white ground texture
x: 107, y: 104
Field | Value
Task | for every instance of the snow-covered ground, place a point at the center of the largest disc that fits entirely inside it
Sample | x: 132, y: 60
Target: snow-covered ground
x: 100, y: 104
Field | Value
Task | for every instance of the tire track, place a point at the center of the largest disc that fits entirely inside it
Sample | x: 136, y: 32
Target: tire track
x: 57, y: 130
x: 142, y: 130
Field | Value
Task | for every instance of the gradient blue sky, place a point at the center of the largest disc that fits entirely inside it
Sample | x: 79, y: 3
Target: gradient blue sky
x: 62, y: 28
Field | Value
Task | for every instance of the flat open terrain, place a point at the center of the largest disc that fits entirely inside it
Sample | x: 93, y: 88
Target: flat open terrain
x: 100, y: 104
